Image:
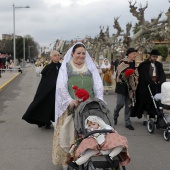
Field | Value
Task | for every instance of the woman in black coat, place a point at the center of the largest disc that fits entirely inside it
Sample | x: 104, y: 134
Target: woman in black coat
x: 42, y: 109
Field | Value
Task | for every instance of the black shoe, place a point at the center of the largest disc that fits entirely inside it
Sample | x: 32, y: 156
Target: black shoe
x: 73, y: 165
x: 130, y: 127
x: 115, y: 121
x: 108, y: 158
x: 48, y: 125
x: 113, y: 162
x: 41, y: 125
x: 144, y: 123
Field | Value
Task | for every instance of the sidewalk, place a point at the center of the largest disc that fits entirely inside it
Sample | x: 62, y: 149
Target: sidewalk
x: 7, y: 77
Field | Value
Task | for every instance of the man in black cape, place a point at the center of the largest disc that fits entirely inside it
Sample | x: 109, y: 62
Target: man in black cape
x: 150, y: 72
x: 42, y: 109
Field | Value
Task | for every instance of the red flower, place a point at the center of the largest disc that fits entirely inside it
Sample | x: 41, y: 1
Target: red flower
x: 81, y: 94
x: 75, y: 87
x: 129, y: 72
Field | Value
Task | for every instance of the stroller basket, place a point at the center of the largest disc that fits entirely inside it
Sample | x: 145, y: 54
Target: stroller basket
x: 101, y: 162
x: 167, y: 107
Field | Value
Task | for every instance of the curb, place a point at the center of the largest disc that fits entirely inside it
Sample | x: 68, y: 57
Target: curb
x: 8, y: 82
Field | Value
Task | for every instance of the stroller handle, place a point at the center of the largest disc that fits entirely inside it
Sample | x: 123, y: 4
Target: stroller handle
x: 149, y: 87
x: 153, y: 99
x: 98, y: 131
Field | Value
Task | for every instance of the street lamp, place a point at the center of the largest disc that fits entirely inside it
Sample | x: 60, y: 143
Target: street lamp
x: 29, y: 51
x: 55, y: 42
x: 23, y: 62
x: 14, y: 7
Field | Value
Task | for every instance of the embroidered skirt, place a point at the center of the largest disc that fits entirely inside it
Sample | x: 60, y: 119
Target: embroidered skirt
x: 59, y: 156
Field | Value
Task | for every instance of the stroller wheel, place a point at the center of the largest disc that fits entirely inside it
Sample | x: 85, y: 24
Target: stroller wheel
x: 150, y: 126
x: 166, y: 135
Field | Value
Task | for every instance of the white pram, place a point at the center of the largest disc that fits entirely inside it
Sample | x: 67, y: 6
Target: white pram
x: 161, y: 101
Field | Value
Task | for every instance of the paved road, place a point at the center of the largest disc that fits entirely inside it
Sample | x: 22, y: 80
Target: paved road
x: 7, y: 78
x: 26, y: 147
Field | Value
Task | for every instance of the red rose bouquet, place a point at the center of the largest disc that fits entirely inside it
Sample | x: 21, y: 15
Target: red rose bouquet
x: 81, y: 94
x: 127, y: 74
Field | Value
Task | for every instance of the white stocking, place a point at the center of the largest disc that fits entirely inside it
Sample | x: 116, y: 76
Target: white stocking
x: 116, y: 151
x: 84, y: 158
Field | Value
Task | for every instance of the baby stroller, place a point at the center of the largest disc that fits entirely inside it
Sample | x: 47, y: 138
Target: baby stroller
x: 161, y: 101
x: 98, y: 108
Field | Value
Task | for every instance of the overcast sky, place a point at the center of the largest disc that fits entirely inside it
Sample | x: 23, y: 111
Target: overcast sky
x: 48, y: 20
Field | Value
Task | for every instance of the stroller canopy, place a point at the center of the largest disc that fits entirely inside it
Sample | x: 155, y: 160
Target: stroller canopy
x: 95, y: 107
x: 165, y: 93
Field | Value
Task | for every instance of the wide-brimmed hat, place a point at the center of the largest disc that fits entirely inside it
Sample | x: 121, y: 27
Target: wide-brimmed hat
x: 130, y: 50
x: 154, y: 52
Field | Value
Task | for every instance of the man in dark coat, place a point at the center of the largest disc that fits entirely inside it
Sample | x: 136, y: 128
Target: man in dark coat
x: 150, y: 72
x: 42, y: 109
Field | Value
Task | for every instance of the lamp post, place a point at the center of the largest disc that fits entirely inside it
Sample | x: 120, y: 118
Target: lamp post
x: 14, y: 43
x: 23, y: 62
x: 29, y: 51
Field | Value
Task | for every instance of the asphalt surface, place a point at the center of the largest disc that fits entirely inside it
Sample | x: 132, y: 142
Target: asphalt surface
x: 26, y: 147
x: 7, y: 77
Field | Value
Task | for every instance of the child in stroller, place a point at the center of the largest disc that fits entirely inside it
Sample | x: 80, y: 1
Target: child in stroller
x: 110, y: 144
x: 162, y: 120
x: 101, y: 139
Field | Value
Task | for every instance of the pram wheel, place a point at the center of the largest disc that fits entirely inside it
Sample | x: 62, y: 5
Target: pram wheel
x: 166, y: 135
x: 150, y: 126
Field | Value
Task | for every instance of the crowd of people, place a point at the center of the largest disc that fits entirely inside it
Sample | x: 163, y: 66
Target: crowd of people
x: 54, y: 101
x: 6, y: 62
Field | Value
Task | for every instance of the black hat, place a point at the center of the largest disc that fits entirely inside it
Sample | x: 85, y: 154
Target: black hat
x: 130, y: 50
x: 154, y: 52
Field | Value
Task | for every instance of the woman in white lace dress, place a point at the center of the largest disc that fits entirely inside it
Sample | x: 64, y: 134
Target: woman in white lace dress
x: 77, y: 69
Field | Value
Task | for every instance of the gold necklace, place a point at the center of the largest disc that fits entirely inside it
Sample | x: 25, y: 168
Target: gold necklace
x: 78, y: 69
x: 78, y: 64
